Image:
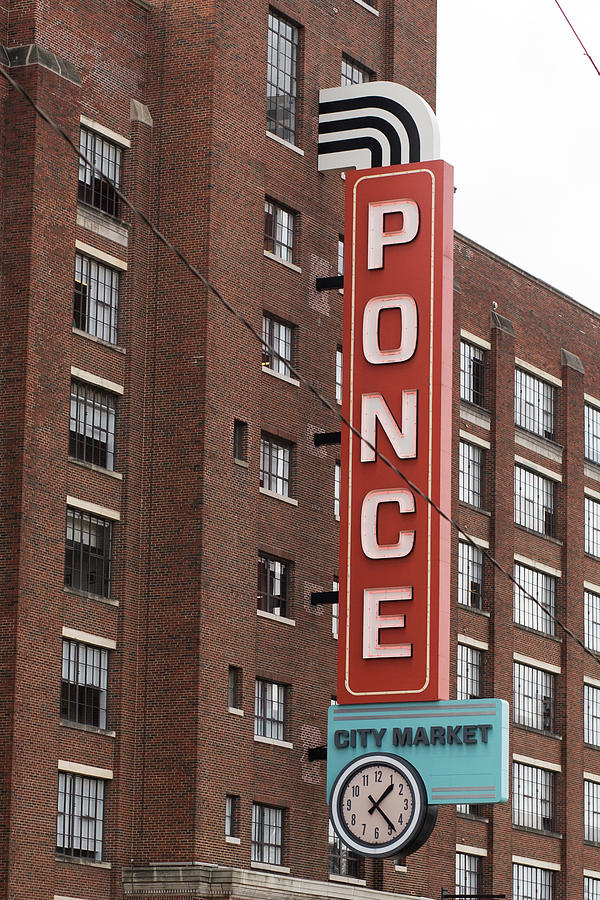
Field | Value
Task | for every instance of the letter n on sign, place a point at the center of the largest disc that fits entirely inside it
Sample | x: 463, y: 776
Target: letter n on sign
x: 394, y: 548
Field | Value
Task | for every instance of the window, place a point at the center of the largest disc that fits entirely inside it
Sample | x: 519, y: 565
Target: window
x: 96, y: 299
x: 342, y: 860
x: 275, y: 459
x: 591, y: 811
x: 280, y: 228
x: 353, y: 72
x: 470, y: 575
x: 531, y: 883
x: 472, y: 373
x: 338, y: 375
x: 534, y: 404
x: 470, y: 472
x: 592, y: 433
x: 278, y: 335
x: 273, y: 585
x: 269, y: 709
x: 335, y: 610
x: 267, y: 834
x: 591, y: 888
x: 532, y: 796
x: 232, y: 815
x: 592, y: 527
x: 80, y: 816
x: 533, y: 698
x: 591, y: 715
x: 591, y: 602
x: 282, y: 77
x: 106, y: 157
x: 340, y: 255
x: 234, y: 687
x: 88, y: 552
x: 534, y: 502
x: 240, y: 440
x: 92, y: 425
x: 337, y: 483
x: 469, y: 809
x: 468, y: 672
x: 542, y: 587
x: 84, y: 684
x: 468, y: 873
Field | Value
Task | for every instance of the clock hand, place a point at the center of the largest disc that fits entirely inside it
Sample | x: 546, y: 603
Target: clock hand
x: 377, y: 807
x: 376, y: 803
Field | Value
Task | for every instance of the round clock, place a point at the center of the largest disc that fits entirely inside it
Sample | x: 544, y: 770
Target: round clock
x: 379, y: 805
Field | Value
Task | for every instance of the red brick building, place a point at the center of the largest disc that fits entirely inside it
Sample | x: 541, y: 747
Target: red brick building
x: 166, y: 514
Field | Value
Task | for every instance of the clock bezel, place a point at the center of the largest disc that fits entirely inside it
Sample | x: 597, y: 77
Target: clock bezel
x: 406, y: 770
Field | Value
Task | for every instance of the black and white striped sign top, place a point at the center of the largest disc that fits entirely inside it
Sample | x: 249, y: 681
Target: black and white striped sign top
x: 378, y: 123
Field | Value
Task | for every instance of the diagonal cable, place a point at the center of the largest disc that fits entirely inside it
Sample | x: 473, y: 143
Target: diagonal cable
x: 309, y: 386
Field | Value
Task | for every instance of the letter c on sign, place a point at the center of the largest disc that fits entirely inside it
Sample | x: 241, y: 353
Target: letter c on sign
x: 368, y: 524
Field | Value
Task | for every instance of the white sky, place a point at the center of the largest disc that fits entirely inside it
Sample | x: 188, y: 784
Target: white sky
x: 518, y: 106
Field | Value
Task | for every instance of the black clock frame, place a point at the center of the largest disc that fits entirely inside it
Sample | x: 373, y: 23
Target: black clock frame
x: 419, y: 830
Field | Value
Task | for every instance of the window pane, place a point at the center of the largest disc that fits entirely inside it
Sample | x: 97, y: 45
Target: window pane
x: 470, y: 575
x: 282, y: 84
x: 92, y: 425
x: 592, y: 620
x: 542, y: 587
x: 468, y: 873
x: 472, y: 371
x: 470, y: 473
x: 592, y: 433
x: 338, y: 375
x: 106, y: 157
x: 273, y: 582
x: 534, y: 501
x: 269, y: 709
x: 592, y: 527
x: 533, y: 797
x: 468, y: 672
x: 531, y: 883
x: 353, y: 72
x: 80, y: 816
x: 592, y: 811
x: 280, y: 226
x: 267, y: 834
x: 275, y: 465
x: 88, y: 552
x: 279, y: 336
x: 533, y: 697
x: 342, y: 860
x: 84, y: 684
x: 534, y: 404
x: 591, y: 715
x: 96, y: 299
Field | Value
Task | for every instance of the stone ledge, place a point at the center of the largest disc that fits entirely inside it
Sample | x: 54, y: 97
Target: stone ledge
x: 206, y: 880
x: 33, y: 54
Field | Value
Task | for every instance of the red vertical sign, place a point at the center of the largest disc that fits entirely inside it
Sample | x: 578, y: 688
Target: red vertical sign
x: 394, y: 547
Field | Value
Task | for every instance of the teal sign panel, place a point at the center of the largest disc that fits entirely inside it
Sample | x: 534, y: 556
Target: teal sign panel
x: 459, y: 747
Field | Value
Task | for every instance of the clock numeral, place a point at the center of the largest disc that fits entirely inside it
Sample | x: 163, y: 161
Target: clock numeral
x: 400, y: 819
x: 355, y: 790
x: 353, y: 820
x: 406, y: 804
x: 377, y: 834
x: 366, y: 780
x: 390, y: 832
x: 378, y: 776
x: 401, y: 789
x: 364, y: 828
x: 348, y: 804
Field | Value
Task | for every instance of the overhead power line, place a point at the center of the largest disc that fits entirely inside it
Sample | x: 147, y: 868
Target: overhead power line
x: 310, y: 387
x: 569, y: 23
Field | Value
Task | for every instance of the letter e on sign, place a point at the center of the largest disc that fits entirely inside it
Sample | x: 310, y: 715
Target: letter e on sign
x: 394, y: 547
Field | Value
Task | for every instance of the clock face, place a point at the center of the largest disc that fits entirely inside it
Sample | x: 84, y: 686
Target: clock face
x: 378, y: 804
